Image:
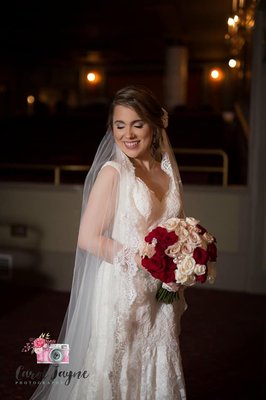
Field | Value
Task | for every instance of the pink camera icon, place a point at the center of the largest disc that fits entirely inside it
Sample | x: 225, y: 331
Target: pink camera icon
x: 54, y: 353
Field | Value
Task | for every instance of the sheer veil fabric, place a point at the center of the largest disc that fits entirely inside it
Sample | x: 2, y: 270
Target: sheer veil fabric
x: 98, y: 326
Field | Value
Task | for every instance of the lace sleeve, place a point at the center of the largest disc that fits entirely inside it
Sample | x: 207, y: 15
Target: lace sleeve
x: 95, y: 233
x: 125, y: 260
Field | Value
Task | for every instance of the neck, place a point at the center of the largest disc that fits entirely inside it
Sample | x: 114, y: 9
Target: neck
x: 144, y: 164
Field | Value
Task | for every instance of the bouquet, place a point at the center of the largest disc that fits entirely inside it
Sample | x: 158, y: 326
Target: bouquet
x: 180, y: 251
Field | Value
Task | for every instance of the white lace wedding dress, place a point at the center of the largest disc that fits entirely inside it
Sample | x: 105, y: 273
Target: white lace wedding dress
x: 134, y: 350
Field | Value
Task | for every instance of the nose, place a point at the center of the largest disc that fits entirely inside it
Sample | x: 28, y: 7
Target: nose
x: 130, y: 134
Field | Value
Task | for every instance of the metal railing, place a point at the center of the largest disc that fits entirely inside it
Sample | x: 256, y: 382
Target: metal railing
x: 223, y: 169
x: 58, y: 169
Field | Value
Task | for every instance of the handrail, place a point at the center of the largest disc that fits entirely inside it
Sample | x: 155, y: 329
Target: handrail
x: 57, y: 169
x: 199, y: 168
x: 47, y: 167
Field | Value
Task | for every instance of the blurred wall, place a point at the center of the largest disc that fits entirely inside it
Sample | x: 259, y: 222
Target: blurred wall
x: 55, y: 212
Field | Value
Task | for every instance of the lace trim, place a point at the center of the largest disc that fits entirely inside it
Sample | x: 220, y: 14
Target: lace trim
x: 125, y: 260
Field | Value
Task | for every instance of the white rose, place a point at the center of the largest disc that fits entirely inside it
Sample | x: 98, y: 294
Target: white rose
x: 180, y: 278
x: 171, y: 224
x: 187, y: 266
x: 200, y: 269
x: 192, y: 221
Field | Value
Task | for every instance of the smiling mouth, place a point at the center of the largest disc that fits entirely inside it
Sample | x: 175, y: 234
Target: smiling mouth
x: 131, y: 145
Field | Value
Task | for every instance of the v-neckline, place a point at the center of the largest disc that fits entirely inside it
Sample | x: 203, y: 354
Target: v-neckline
x: 152, y: 191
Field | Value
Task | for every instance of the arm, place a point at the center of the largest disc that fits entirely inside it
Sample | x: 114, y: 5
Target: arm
x: 98, y: 215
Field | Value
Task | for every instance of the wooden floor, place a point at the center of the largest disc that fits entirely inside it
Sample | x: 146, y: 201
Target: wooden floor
x: 223, y: 341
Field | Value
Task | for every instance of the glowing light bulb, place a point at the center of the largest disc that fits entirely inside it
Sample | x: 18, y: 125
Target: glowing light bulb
x: 215, y: 74
x: 232, y: 63
x: 91, y: 76
x: 30, y: 99
x: 231, y: 21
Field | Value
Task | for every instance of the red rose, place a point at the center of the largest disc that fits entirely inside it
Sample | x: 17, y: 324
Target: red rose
x: 160, y: 267
x: 169, y: 275
x: 212, y: 251
x: 163, y: 237
x: 155, y: 265
x: 201, y: 278
x: 200, y: 255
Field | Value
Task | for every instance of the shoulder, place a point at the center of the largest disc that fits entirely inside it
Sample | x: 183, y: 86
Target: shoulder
x: 111, y: 168
x: 108, y: 175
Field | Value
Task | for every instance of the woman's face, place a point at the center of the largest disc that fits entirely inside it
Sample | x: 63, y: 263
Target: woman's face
x: 132, y: 135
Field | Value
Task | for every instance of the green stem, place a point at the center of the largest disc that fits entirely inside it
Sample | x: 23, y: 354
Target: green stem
x: 165, y: 296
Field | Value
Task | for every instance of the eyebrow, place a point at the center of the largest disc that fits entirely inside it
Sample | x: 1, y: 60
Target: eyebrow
x: 123, y: 122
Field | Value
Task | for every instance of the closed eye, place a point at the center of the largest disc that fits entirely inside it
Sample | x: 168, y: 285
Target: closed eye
x: 119, y: 125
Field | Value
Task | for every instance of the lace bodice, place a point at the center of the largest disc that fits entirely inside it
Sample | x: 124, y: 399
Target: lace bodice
x: 139, y: 208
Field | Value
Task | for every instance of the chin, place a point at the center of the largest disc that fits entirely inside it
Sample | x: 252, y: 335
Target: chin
x: 135, y: 152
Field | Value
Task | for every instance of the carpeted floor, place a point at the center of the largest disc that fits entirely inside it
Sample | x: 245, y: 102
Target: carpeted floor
x: 223, y: 341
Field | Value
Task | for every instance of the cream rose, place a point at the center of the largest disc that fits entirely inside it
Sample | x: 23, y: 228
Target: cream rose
x: 171, y: 224
x: 200, y: 269
x: 180, y: 278
x: 195, y: 238
x: 192, y: 221
x: 187, y: 266
x: 187, y: 248
x: 182, y: 233
x: 173, y: 250
x: 208, y: 237
x: 191, y: 280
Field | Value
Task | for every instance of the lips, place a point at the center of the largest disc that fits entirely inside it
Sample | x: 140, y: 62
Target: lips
x: 131, y: 145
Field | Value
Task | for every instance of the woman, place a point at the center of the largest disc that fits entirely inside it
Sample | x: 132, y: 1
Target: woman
x: 122, y: 341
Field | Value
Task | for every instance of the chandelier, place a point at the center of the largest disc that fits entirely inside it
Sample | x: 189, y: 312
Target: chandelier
x: 240, y: 26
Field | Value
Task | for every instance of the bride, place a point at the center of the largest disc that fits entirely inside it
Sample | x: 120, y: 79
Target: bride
x: 123, y: 342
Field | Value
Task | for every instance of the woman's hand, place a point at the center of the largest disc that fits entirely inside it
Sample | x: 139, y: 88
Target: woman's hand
x: 139, y: 263
x: 174, y: 286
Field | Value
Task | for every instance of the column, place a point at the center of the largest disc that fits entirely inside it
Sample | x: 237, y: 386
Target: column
x: 256, y: 278
x: 176, y: 74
